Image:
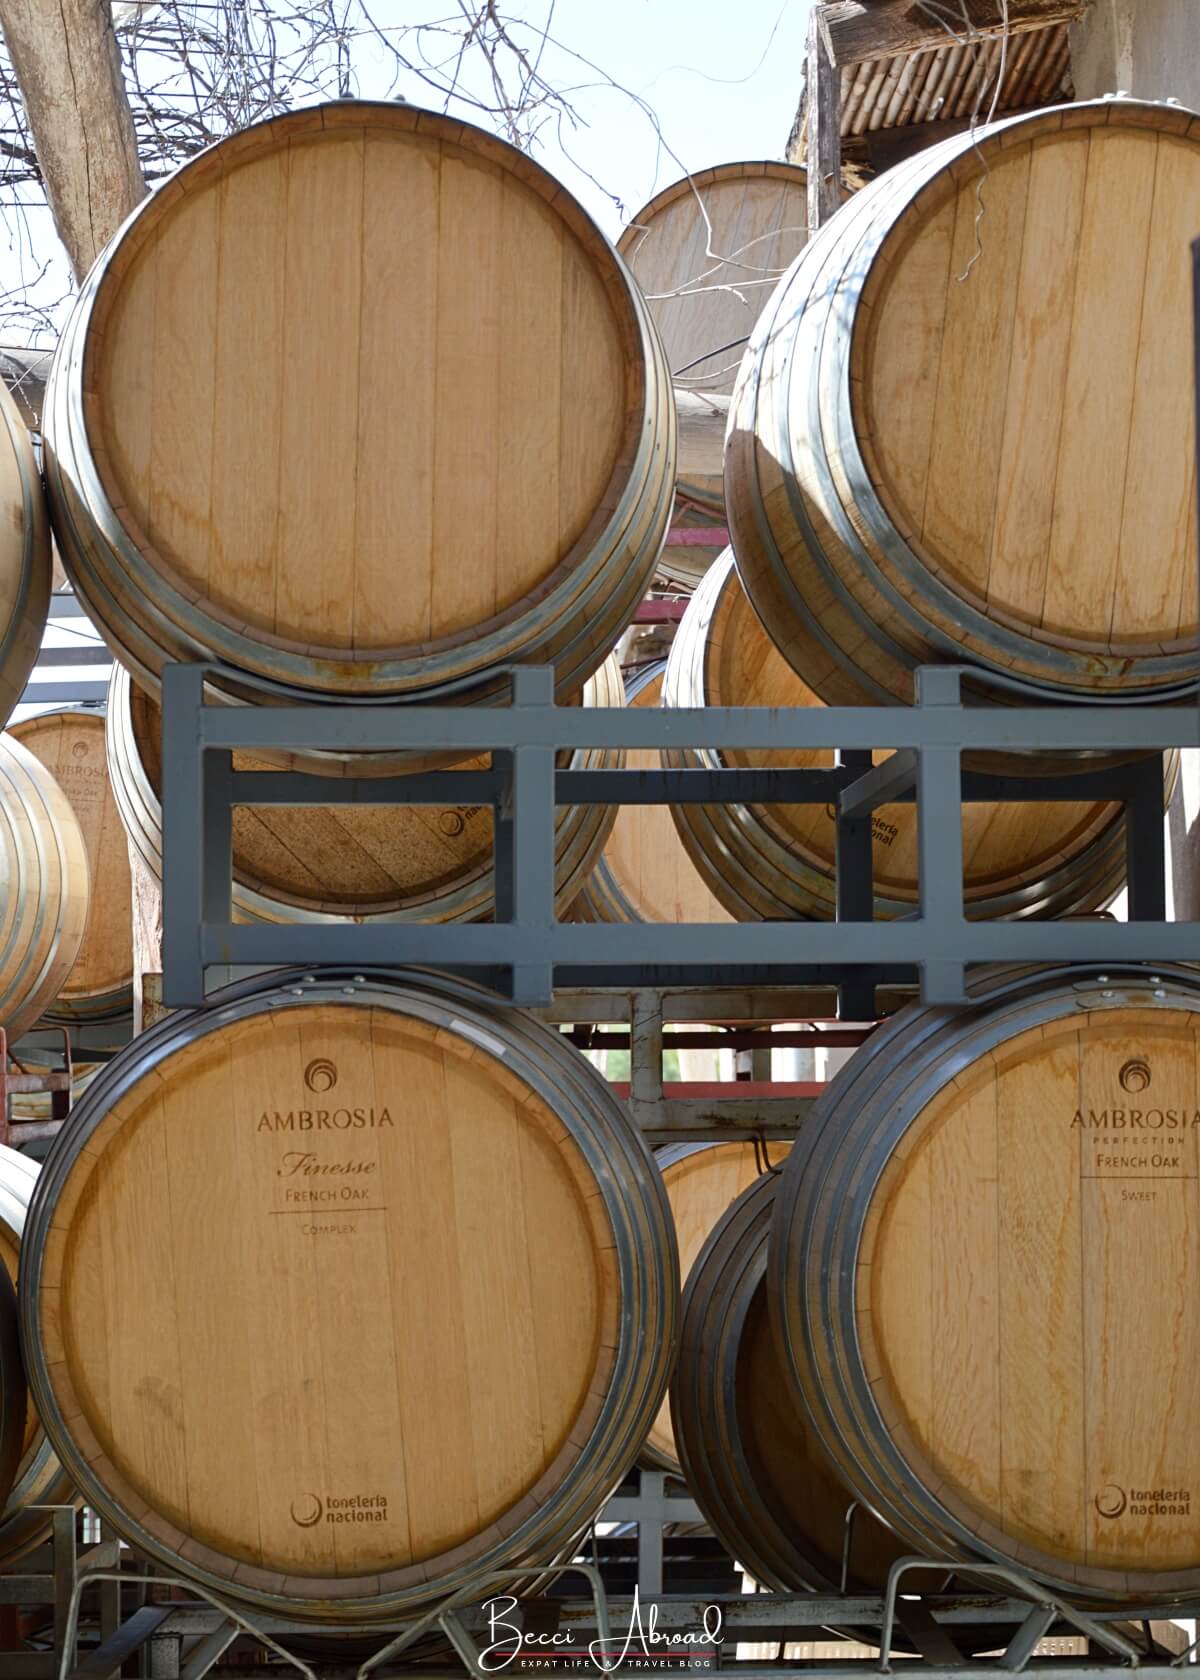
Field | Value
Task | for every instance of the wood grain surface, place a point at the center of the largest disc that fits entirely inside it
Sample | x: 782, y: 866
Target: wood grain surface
x: 44, y: 888
x: 991, y: 455
x: 363, y: 403
x: 436, y: 1324
x: 644, y: 874
x: 707, y: 251
x: 991, y: 1230
x: 71, y: 746
x: 426, y: 863
x: 24, y: 556
x: 753, y: 1462
x: 780, y: 860
x: 701, y: 1183
x: 1029, y: 1286
x: 40, y: 1480
x: 368, y: 1241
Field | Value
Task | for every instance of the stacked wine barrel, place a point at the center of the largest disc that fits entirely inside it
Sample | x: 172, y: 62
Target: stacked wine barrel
x: 643, y: 873
x: 24, y: 556
x: 39, y: 1481
x: 701, y: 1181
x: 707, y: 252
x: 988, y: 1232
x: 771, y: 861
x: 396, y: 1170
x: 399, y: 863
x: 70, y: 744
x: 401, y: 418
x: 44, y: 888
x: 955, y: 444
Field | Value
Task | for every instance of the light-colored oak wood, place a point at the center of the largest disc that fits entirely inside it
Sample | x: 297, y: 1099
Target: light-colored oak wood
x: 147, y: 909
x: 701, y: 1182
x: 440, y: 1306
x: 643, y: 874
x: 990, y: 456
x: 1021, y: 1308
x: 24, y: 556
x: 700, y: 481
x: 13, y: 1395
x: 754, y: 1464
x: 708, y: 251
x: 44, y: 888
x: 780, y: 860
x: 40, y: 1479
x: 71, y: 746
x: 425, y: 863
x: 361, y: 403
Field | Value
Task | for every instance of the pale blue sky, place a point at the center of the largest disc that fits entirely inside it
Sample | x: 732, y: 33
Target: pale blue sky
x: 723, y: 80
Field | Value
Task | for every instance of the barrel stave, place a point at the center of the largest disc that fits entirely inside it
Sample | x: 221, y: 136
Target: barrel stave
x: 1043, y: 1328
x: 597, y: 1279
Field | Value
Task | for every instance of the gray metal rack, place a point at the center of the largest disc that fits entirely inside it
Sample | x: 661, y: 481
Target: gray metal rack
x: 525, y: 954
x: 108, y: 1610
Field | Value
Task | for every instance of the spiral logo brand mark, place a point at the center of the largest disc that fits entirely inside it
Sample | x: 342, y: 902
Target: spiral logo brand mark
x: 79, y: 750
x: 307, y: 1511
x: 320, y: 1075
x: 1134, y: 1076
x: 1111, y: 1501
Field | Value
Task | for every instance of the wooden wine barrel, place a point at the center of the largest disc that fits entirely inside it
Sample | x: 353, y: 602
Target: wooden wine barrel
x: 24, y: 556
x: 40, y: 1479
x: 964, y: 436
x: 702, y: 1180
x: 700, y: 471
x: 13, y: 1395
x: 43, y: 888
x: 694, y: 544
x: 752, y: 1461
x: 779, y: 860
x: 643, y: 873
x: 442, y: 1305
x: 400, y: 420
x: 409, y: 863
x: 983, y: 1264
x: 707, y: 252
x: 70, y: 744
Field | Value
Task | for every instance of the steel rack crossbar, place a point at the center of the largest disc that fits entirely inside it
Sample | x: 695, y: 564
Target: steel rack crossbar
x: 525, y: 953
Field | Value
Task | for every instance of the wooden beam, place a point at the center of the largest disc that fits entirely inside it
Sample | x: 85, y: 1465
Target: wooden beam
x: 68, y: 68
x: 823, y: 97
x: 859, y: 30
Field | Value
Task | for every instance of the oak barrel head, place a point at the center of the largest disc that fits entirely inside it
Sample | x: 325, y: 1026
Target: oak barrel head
x: 1026, y: 859
x: 442, y: 1300
x: 401, y: 420
x: 978, y: 446
x: 985, y: 1269
x: 707, y: 251
x: 71, y: 745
